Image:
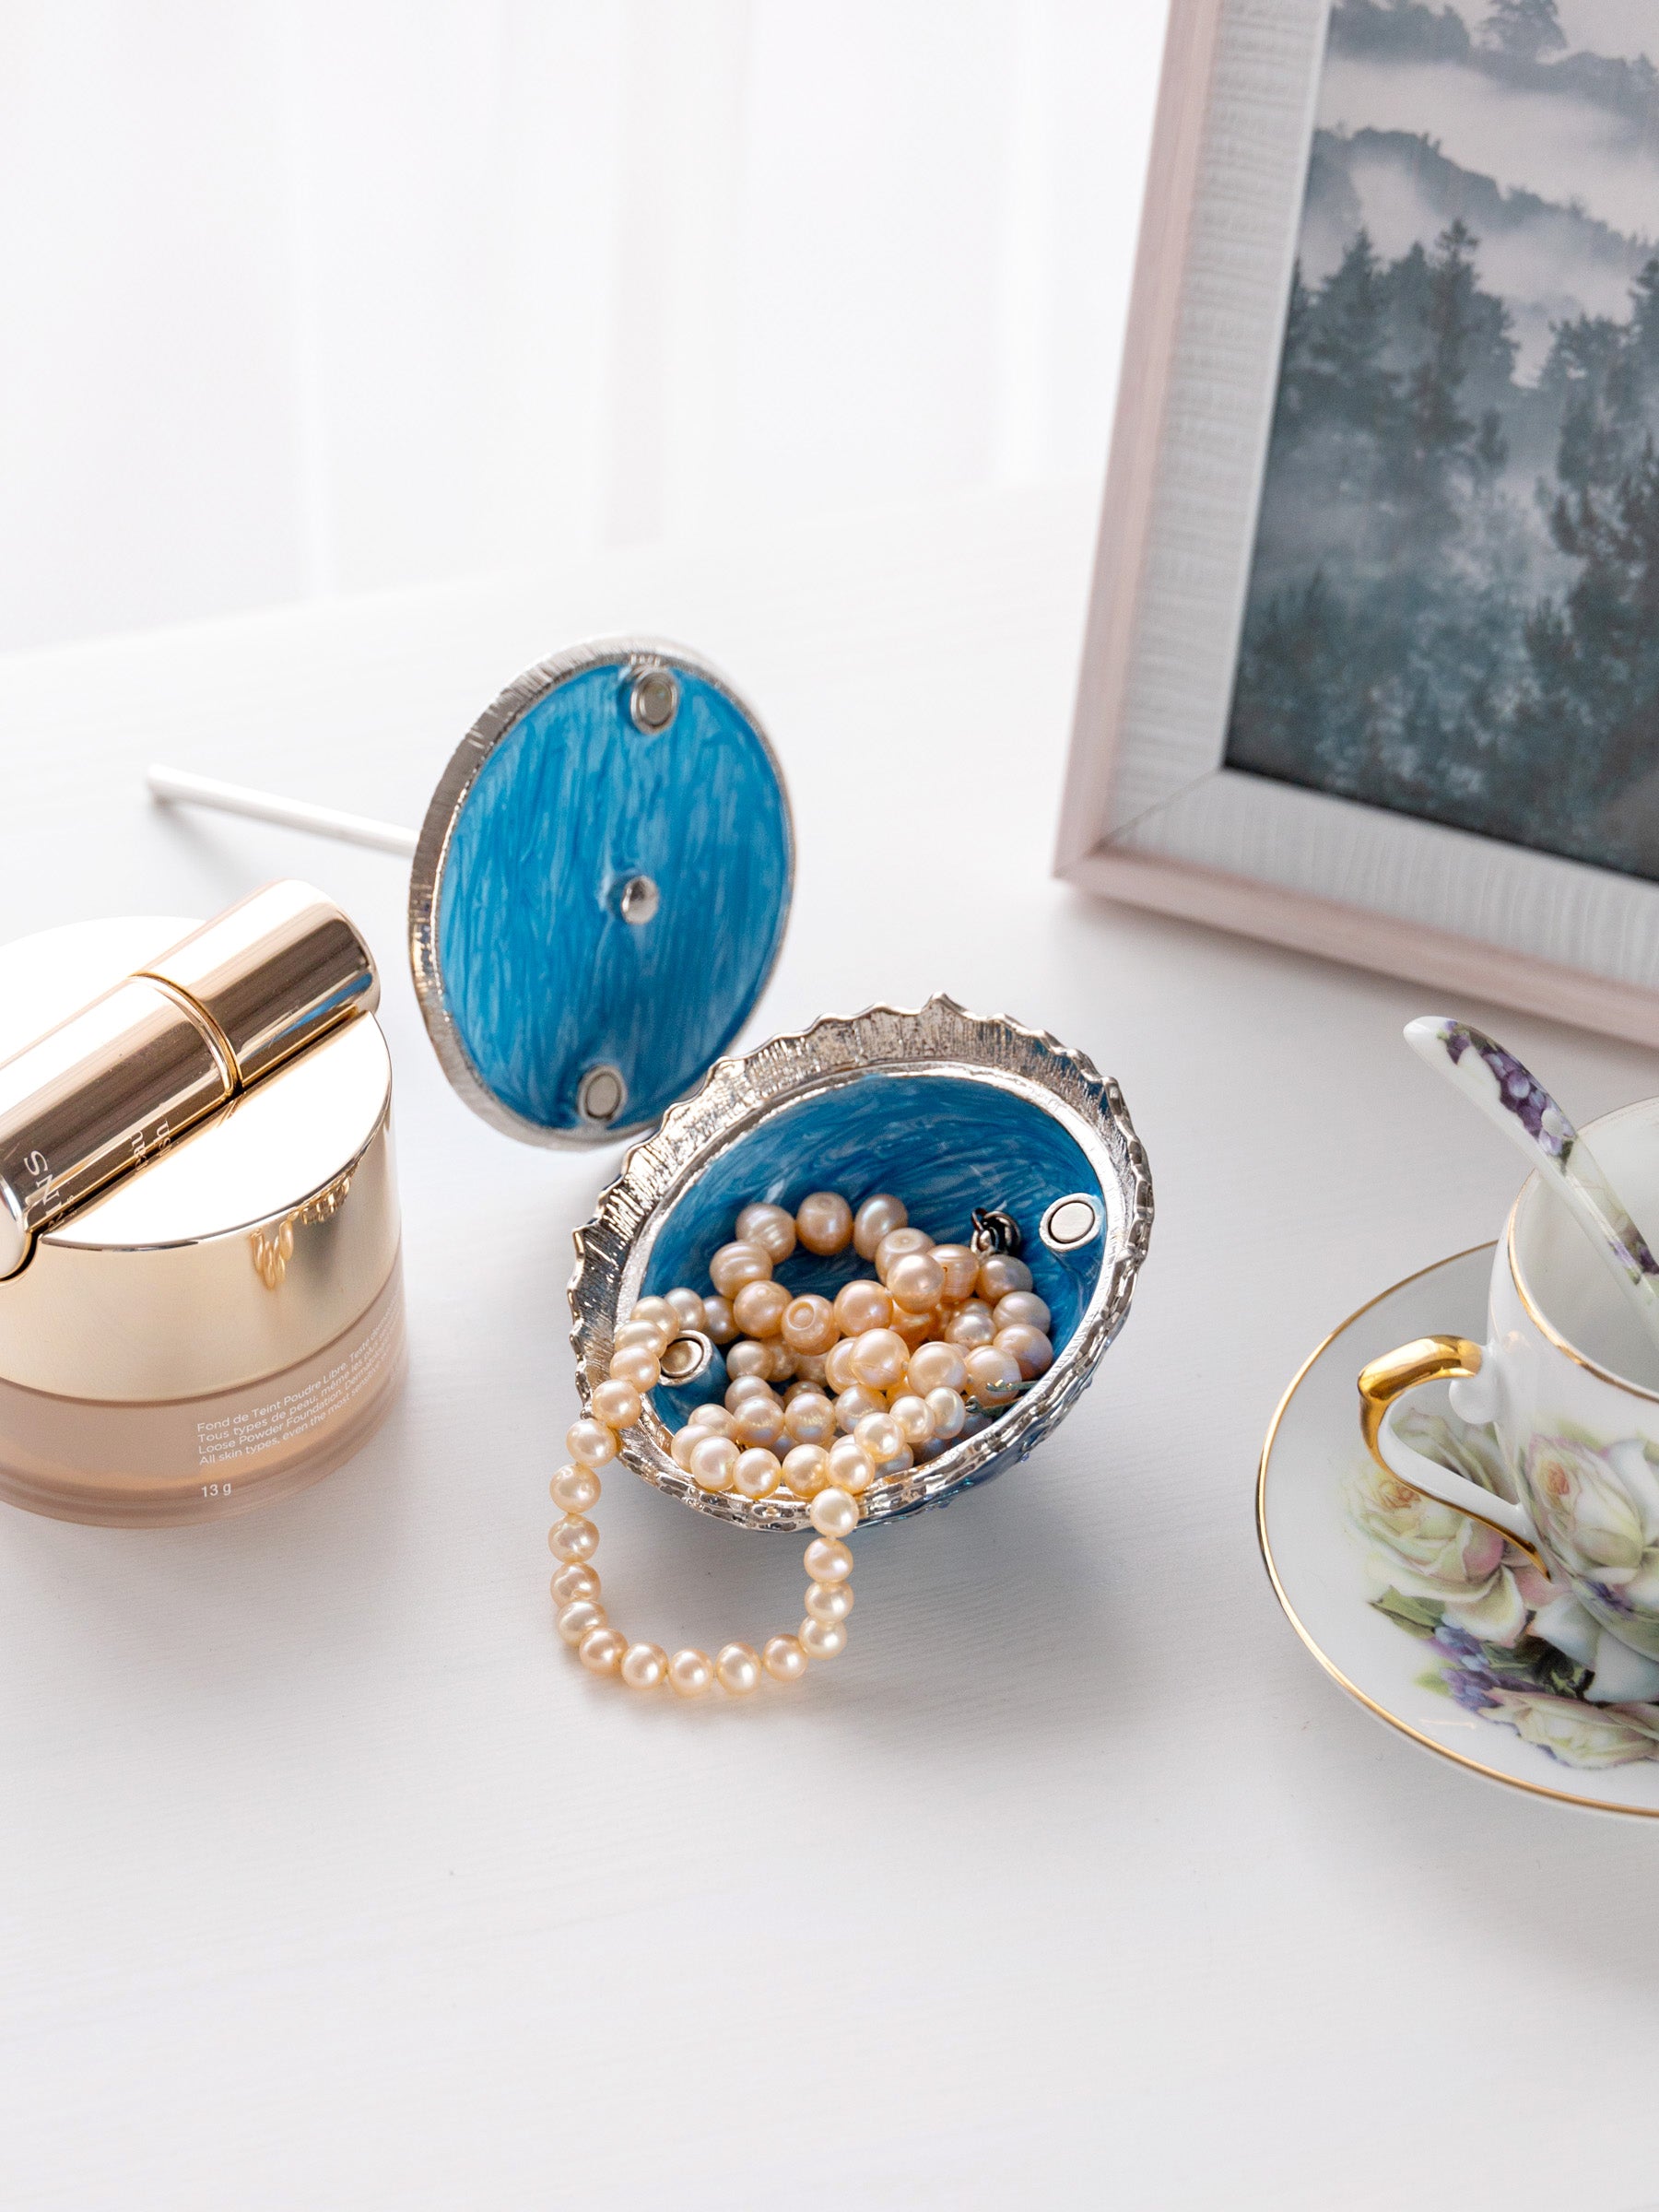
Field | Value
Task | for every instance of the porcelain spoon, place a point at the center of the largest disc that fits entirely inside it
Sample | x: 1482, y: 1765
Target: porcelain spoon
x: 1511, y: 1096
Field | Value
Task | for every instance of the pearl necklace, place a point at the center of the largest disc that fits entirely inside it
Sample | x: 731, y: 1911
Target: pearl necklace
x: 924, y: 1354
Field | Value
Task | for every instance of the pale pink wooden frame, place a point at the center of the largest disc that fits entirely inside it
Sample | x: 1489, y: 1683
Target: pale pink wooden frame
x: 1086, y: 853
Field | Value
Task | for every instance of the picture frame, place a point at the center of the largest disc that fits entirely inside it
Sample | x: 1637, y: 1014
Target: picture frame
x: 1155, y: 813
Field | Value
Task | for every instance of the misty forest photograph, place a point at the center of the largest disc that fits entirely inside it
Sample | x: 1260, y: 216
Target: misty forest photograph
x: 1453, y: 601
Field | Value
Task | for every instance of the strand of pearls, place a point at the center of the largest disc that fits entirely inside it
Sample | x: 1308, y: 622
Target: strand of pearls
x: 929, y: 1350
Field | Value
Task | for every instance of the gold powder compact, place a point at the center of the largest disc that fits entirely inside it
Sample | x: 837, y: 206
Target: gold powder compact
x: 201, y: 1304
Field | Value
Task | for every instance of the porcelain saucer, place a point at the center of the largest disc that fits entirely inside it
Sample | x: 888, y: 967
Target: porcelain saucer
x: 1408, y: 1604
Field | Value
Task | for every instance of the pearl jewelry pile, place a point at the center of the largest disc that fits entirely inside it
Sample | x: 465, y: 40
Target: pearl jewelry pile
x: 891, y: 1372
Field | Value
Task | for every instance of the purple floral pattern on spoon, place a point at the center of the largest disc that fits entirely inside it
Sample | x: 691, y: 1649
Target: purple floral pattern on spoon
x: 1511, y: 1096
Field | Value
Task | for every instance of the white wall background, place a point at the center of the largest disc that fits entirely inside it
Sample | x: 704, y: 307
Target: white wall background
x: 308, y: 296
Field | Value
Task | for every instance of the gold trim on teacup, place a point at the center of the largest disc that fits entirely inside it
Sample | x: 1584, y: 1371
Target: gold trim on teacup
x: 1550, y: 1333
x: 1475, y: 1766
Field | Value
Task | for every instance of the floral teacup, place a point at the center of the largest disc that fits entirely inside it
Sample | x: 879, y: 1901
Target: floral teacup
x: 1578, y: 1433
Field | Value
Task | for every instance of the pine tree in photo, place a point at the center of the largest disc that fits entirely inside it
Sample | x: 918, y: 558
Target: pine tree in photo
x: 1346, y: 379
x: 1292, y: 405
x: 1527, y: 30
x: 1644, y: 332
x: 1588, y: 727
x: 1440, y: 438
x: 1592, y: 379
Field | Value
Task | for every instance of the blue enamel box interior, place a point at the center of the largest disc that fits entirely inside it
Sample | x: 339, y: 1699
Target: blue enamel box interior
x: 542, y: 978
x: 943, y: 1143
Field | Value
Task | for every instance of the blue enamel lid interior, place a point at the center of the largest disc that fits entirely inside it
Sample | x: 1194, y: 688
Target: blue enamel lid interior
x: 944, y: 1143
x: 542, y: 978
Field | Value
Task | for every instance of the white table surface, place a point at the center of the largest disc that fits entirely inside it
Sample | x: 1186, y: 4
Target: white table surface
x: 326, y: 1878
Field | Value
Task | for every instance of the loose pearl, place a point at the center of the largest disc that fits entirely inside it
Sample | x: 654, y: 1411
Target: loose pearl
x: 601, y: 1651
x: 970, y: 1325
x: 576, y: 1618
x: 690, y: 1674
x: 851, y: 1466
x: 811, y: 1419
x: 592, y: 1442
x: 747, y: 1386
x: 683, y: 1444
x: 572, y: 1582
x: 862, y: 1305
x: 780, y: 1361
x: 853, y: 1405
x: 734, y: 1264
x: 915, y: 1329
x: 758, y: 1307
x: 659, y: 1312
x: 770, y: 1227
x: 720, y: 1324
x: 783, y: 1659
x: 1023, y: 1306
x: 713, y: 1463
x: 737, y: 1669
x: 897, y: 1244
x: 615, y: 1403
x: 714, y: 1418
x: 759, y: 1421
x: 949, y: 1411
x: 993, y: 1375
x: 838, y: 1367
x: 999, y: 1273
x: 574, y: 1489
x: 822, y: 1639
x: 912, y: 1417
x: 806, y: 1469
x: 916, y: 1281
x: 641, y: 1336
x: 935, y: 1367
x: 810, y: 1325
x: 962, y: 1265
x: 809, y: 1367
x: 879, y: 1358
x: 645, y: 1665
x: 829, y: 1601
x: 879, y: 1436
x: 824, y: 1223
x: 756, y: 1473
x: 1028, y: 1348
x: 873, y: 1221
x: 748, y: 1358
x: 636, y: 1368
x: 834, y: 1513
x: 828, y: 1560
x: 690, y: 1309
x: 573, y: 1538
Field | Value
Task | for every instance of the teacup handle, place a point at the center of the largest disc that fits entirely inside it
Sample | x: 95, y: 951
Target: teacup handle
x: 1434, y: 1359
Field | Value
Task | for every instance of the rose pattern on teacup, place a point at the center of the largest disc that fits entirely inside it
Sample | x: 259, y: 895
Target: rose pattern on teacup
x: 1432, y: 1552
x: 1597, y: 1511
x: 1509, y: 1646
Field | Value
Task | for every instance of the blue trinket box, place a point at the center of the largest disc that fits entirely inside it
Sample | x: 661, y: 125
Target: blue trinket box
x: 599, y: 893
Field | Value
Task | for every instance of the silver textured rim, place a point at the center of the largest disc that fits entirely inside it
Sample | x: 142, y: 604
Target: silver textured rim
x: 614, y: 1248
x: 431, y: 853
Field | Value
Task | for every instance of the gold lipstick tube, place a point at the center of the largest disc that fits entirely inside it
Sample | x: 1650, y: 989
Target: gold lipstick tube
x: 116, y: 1084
